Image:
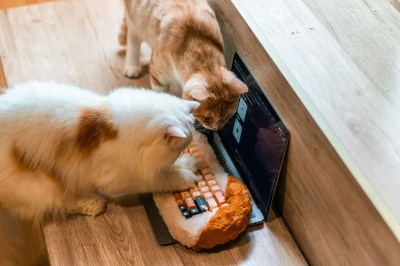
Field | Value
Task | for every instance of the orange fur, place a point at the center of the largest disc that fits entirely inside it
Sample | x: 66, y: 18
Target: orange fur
x: 23, y: 162
x: 187, y: 46
x: 21, y: 242
x: 123, y: 33
x: 230, y: 221
x: 94, y: 127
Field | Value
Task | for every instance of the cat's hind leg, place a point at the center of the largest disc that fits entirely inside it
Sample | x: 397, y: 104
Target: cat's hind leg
x: 28, y: 193
x: 133, y: 69
x: 156, y: 85
x: 158, y: 78
x: 123, y: 33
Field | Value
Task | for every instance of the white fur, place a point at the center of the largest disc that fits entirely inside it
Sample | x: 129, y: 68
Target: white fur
x: 35, y: 116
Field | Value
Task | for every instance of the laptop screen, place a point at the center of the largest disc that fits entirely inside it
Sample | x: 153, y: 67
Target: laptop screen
x: 255, y: 138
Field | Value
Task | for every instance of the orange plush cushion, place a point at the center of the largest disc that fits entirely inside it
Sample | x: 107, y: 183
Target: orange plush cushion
x: 229, y: 221
x: 210, y: 228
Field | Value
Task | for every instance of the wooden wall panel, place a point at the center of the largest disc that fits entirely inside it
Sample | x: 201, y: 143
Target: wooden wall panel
x: 327, y: 212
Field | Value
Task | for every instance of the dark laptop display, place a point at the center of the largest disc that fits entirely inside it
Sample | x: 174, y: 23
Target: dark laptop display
x: 256, y: 139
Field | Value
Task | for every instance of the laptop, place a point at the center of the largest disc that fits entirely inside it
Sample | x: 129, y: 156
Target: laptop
x: 251, y: 147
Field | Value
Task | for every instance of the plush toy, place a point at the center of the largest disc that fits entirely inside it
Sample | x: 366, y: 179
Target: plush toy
x: 217, y: 225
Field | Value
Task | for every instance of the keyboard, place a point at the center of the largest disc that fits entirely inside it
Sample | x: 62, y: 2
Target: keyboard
x: 205, y: 196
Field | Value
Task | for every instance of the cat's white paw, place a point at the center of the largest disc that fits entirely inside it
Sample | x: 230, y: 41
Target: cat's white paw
x: 132, y: 71
x: 90, y: 206
x: 187, y: 180
x: 189, y: 162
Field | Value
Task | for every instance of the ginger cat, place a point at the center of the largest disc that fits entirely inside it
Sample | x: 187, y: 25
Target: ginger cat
x: 187, y: 53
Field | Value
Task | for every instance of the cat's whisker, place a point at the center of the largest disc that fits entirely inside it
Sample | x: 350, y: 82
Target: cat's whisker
x: 200, y: 128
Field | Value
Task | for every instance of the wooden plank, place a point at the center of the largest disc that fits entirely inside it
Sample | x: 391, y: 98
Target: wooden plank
x: 15, y: 3
x: 76, y: 42
x: 395, y: 4
x: 347, y: 77
x: 123, y: 236
x: 367, y: 74
x: 3, y: 82
x: 327, y: 212
x: 97, y: 65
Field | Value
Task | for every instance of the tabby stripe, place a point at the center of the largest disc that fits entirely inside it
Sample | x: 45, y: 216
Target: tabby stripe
x: 204, y: 35
x: 155, y: 80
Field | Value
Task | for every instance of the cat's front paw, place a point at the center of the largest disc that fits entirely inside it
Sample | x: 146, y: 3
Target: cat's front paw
x: 132, y: 71
x: 90, y: 206
x: 186, y: 180
x: 189, y: 162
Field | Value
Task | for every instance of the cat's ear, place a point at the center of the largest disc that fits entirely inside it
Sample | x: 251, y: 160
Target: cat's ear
x: 193, y: 105
x: 196, y: 87
x: 94, y: 127
x: 236, y: 85
x: 174, y: 135
x: 174, y: 131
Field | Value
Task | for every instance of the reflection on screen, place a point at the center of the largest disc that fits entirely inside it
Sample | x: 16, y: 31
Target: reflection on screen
x: 255, y: 138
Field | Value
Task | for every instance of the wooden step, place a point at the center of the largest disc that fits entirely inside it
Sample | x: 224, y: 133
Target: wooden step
x: 76, y: 42
x: 339, y: 200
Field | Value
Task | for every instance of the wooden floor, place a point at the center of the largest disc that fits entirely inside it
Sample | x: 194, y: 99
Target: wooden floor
x: 123, y: 236
x: 3, y: 83
x: 15, y: 3
x: 76, y: 42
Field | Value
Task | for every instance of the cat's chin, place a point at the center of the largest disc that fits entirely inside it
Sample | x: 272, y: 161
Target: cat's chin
x: 205, y: 129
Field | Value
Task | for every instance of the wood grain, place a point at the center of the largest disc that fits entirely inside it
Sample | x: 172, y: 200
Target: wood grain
x: 327, y: 211
x: 3, y: 82
x: 395, y: 4
x: 123, y: 236
x: 76, y: 42
x: 351, y: 93
x: 15, y: 3
x: 80, y: 55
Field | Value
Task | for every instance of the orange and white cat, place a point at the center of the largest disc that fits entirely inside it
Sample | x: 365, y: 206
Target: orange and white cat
x: 187, y: 53
x: 65, y: 149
